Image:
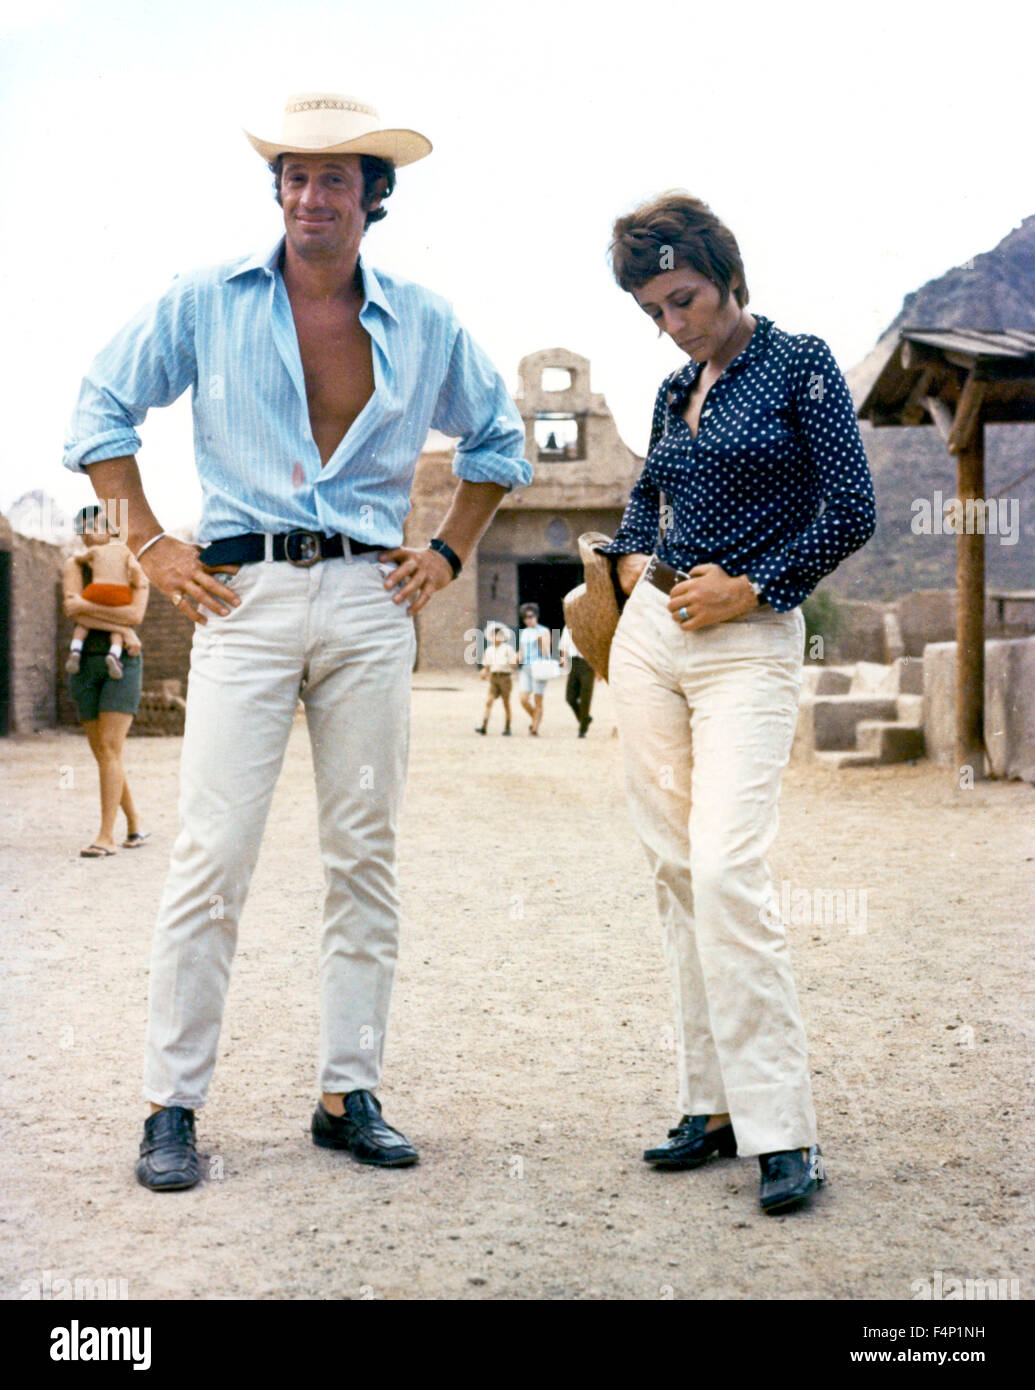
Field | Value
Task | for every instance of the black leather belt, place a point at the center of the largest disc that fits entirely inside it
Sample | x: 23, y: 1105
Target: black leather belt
x: 662, y: 576
x: 297, y: 547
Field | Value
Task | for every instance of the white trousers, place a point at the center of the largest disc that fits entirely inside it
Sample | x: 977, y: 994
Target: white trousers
x: 706, y: 720
x: 331, y: 634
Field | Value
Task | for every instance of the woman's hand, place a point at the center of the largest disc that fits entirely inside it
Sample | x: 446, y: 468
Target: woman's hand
x: 420, y: 573
x: 710, y: 596
x: 630, y: 567
x: 173, y: 566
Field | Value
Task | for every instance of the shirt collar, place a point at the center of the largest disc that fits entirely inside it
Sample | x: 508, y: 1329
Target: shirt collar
x: 681, y: 381
x: 269, y: 261
x: 262, y: 260
x: 373, y: 291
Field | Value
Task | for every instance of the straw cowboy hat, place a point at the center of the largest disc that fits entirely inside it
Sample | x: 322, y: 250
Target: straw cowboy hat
x: 330, y: 123
x: 591, y: 610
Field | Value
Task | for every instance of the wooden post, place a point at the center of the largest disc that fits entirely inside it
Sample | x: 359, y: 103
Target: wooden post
x: 970, y: 609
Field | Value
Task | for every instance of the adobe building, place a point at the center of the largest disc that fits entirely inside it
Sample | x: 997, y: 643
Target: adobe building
x: 582, y: 479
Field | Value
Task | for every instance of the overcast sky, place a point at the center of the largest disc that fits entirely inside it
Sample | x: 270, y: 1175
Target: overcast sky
x: 855, y: 151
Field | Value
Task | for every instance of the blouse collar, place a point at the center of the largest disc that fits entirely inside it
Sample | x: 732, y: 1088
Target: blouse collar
x: 681, y: 381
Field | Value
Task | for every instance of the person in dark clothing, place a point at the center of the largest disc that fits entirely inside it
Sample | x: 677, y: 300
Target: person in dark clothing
x: 579, y: 690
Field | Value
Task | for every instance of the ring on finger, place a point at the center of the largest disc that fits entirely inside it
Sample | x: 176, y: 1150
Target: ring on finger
x: 177, y: 598
x: 684, y: 616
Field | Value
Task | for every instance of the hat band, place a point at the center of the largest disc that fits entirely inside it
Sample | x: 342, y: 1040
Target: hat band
x: 329, y: 104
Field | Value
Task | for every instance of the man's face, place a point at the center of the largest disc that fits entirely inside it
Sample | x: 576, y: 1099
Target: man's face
x: 322, y: 197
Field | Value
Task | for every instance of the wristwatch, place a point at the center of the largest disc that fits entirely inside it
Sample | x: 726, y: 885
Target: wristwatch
x: 448, y: 554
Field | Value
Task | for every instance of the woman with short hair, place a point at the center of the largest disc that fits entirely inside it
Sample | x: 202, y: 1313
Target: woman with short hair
x: 533, y: 646
x: 755, y: 485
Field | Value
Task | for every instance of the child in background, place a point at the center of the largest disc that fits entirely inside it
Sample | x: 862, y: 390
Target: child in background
x: 498, y: 662
x: 111, y: 565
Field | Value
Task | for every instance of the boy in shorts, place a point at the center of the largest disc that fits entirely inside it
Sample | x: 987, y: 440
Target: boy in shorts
x: 498, y: 662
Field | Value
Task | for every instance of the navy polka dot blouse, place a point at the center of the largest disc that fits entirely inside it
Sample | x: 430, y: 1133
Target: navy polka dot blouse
x: 776, y: 484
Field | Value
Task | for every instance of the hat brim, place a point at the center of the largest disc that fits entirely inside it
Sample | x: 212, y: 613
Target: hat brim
x: 398, y: 146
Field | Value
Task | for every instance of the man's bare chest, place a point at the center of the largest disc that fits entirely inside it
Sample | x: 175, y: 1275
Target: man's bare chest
x: 337, y: 364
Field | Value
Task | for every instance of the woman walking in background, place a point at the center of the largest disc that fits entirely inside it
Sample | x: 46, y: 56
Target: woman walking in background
x: 107, y: 703
x: 756, y: 451
x: 533, y: 646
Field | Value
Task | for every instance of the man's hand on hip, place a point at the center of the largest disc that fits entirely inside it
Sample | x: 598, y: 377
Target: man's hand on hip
x: 173, y: 566
x: 419, y: 574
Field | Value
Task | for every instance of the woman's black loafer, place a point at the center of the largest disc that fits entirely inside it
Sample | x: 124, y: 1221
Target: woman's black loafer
x: 688, y: 1146
x: 168, y: 1158
x: 789, y: 1178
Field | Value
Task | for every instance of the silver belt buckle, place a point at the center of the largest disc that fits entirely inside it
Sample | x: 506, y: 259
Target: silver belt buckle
x: 308, y: 550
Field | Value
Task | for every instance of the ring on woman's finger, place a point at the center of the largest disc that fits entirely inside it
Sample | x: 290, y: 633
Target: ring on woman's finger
x: 684, y: 616
x: 177, y: 599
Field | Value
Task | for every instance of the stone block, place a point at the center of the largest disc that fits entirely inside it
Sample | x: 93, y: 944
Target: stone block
x: 910, y: 710
x: 860, y: 635
x: 887, y: 741
x: 826, y: 680
x: 929, y: 615
x: 828, y: 721
x: 1009, y: 705
x: 904, y: 676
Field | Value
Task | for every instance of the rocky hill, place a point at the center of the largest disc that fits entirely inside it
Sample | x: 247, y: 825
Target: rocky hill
x: 994, y: 290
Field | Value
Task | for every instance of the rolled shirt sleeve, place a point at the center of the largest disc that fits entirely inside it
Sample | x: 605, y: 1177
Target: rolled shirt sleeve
x: 474, y: 405
x: 830, y: 436
x: 150, y: 362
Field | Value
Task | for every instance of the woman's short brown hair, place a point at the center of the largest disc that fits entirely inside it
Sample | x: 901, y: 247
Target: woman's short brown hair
x: 672, y: 232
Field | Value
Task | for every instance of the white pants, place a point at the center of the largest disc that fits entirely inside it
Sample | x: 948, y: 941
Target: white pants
x: 706, y: 721
x: 331, y: 634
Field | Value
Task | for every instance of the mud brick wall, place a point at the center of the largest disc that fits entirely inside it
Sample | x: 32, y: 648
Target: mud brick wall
x: 35, y: 570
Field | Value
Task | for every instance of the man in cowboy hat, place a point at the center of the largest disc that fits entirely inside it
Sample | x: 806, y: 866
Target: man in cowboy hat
x: 315, y: 383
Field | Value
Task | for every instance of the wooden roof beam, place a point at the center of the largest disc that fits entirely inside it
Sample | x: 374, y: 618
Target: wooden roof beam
x: 966, y: 360
x: 968, y: 414
x: 941, y: 415
x: 913, y: 356
x: 912, y: 413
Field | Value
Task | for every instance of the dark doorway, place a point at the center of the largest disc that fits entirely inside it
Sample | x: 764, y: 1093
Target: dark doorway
x: 545, y: 583
x: 6, y: 642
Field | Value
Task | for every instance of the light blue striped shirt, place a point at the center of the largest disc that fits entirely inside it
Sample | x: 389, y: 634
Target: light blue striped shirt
x: 228, y: 333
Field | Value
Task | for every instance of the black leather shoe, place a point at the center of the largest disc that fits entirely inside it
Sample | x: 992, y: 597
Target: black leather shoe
x: 688, y: 1146
x: 362, y: 1131
x: 168, y: 1159
x: 789, y: 1178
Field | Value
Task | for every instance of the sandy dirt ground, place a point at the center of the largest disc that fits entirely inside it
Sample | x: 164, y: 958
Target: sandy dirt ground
x: 530, y: 1048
